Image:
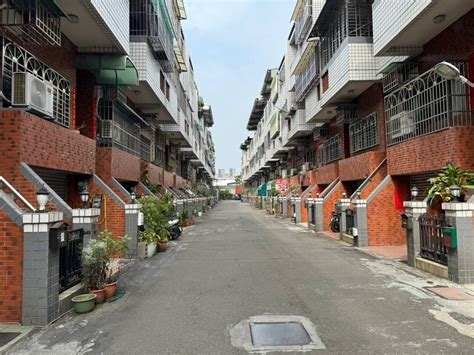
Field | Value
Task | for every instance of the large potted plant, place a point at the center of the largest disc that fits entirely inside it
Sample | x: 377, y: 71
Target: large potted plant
x: 116, y: 248
x: 449, y: 176
x: 151, y: 239
x: 94, y: 268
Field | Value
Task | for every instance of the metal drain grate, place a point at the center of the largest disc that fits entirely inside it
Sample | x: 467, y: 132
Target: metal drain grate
x: 279, y: 334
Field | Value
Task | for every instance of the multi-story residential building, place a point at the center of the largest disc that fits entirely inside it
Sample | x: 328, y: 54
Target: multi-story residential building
x: 97, y: 97
x: 366, y: 114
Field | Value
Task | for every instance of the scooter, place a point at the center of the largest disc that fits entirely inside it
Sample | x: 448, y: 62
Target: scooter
x: 334, y: 225
x: 175, y: 228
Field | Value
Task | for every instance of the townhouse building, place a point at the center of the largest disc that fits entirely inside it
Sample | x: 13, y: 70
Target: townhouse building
x: 366, y: 115
x: 97, y: 97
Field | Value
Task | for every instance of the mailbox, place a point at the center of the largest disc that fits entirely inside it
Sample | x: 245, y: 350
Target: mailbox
x: 450, y: 237
x: 57, y: 235
x: 407, y: 222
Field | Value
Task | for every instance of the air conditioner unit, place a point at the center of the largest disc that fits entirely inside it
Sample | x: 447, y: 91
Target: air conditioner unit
x: 401, y: 124
x: 33, y: 93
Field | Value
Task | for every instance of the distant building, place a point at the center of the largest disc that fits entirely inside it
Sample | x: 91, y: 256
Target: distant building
x: 232, y: 172
x: 221, y: 173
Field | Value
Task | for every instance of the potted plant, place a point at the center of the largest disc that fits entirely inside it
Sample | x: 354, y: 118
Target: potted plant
x: 151, y: 239
x: 451, y: 175
x: 94, y: 268
x: 116, y: 248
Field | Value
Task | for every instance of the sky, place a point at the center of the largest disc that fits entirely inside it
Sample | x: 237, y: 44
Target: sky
x: 232, y: 43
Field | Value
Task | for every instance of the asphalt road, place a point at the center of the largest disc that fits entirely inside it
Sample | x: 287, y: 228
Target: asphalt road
x: 237, y: 262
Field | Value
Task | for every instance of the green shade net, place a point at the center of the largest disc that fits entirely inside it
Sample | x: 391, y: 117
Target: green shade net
x: 110, y: 69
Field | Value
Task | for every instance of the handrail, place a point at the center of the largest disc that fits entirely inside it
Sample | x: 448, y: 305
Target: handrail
x: 368, y: 179
x: 17, y: 194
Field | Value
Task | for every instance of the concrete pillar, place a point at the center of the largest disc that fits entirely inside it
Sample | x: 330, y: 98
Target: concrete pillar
x: 132, y: 222
x: 180, y: 206
x: 87, y: 220
x: 284, y: 210
x: 310, y: 208
x: 461, y: 257
x: 413, y: 210
x: 40, y: 268
x: 360, y: 207
x: 319, y: 214
x: 345, y: 205
x: 297, y: 204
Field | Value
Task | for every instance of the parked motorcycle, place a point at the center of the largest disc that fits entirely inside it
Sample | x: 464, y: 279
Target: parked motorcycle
x: 334, y: 225
x: 175, y: 228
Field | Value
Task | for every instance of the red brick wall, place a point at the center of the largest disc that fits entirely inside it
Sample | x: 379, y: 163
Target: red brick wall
x: 168, y: 178
x: 383, y: 221
x: 328, y: 173
x: 328, y: 206
x: 432, y: 152
x: 112, y: 162
x: 11, y: 270
x: 155, y: 173
x: 375, y: 181
x: 360, y: 166
x: 86, y: 104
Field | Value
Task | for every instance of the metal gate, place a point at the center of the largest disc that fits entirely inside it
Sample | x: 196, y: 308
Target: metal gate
x: 431, y: 238
x: 70, y: 264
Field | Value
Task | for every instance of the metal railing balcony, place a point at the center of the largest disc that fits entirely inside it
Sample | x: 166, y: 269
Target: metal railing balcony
x: 306, y: 80
x: 299, y: 126
x: 303, y: 24
x: 426, y: 105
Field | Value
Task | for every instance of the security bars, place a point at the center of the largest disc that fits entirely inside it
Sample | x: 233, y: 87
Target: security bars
x: 330, y: 150
x: 426, y: 105
x: 364, y: 133
x: 15, y: 59
x: 305, y: 81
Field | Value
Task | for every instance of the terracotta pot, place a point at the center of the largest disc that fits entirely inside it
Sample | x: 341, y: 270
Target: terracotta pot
x: 163, y: 246
x: 100, y: 295
x: 110, y: 289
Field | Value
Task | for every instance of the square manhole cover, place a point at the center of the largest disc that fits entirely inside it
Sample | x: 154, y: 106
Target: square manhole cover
x: 279, y: 334
x: 5, y: 338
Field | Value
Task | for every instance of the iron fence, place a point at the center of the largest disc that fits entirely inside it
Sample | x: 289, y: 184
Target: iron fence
x: 431, y: 238
x: 70, y: 264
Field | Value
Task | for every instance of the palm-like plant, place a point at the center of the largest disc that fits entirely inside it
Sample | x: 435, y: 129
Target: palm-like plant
x: 447, y: 177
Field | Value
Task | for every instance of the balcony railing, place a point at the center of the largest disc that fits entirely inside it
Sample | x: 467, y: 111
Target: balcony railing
x: 307, y: 78
x: 149, y: 20
x: 426, y: 105
x: 364, y: 134
x: 145, y: 149
x: 304, y: 22
x: 330, y: 150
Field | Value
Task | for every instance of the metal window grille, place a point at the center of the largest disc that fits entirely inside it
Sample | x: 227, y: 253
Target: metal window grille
x: 17, y: 60
x: 115, y: 129
x: 147, y: 21
x: 145, y: 148
x: 426, y: 105
x: 330, y: 150
x: 303, y: 24
x: 364, y: 133
x: 353, y: 18
x: 399, y: 74
x: 34, y: 21
x: 306, y: 80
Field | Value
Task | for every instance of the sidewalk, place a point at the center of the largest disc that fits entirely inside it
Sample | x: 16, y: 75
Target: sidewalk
x: 10, y: 334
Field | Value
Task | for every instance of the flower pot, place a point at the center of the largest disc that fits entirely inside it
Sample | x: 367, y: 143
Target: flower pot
x: 84, y: 303
x: 110, y: 289
x: 141, y: 251
x: 199, y: 214
x: 100, y: 295
x: 163, y: 246
x: 151, y: 250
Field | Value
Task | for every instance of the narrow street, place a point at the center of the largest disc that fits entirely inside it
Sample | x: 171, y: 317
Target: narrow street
x: 236, y: 263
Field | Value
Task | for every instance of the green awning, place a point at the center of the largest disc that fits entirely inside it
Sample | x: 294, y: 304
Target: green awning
x: 110, y: 69
x: 262, y: 190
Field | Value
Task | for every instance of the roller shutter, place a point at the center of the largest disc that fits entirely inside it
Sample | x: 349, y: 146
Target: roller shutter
x: 55, y: 179
x: 421, y: 182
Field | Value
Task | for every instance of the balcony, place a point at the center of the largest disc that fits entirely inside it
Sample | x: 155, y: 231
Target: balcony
x: 150, y: 22
x: 36, y: 22
x: 303, y: 23
x: 411, y: 24
x: 426, y: 105
x: 97, y: 25
x: 307, y: 78
x: 299, y: 127
x: 330, y: 150
x: 275, y: 124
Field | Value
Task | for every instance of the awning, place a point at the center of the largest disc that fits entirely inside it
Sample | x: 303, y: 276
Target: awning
x: 180, y: 59
x: 305, y: 58
x: 181, y: 9
x: 262, y: 190
x: 110, y: 69
x: 298, y: 9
